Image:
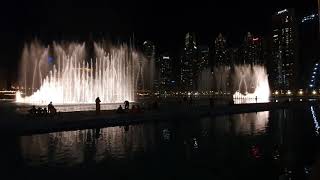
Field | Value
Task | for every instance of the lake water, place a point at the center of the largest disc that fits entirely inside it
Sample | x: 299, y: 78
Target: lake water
x: 278, y: 144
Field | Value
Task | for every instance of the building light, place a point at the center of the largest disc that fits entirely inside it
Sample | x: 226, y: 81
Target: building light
x: 300, y: 92
x: 276, y: 35
x: 289, y: 92
x: 282, y: 11
x: 308, y: 18
x: 314, y: 92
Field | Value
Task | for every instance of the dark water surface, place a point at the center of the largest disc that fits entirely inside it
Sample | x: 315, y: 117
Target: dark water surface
x: 278, y: 144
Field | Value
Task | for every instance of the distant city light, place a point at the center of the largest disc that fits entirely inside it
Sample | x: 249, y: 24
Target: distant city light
x: 166, y: 57
x: 308, y: 18
x: 316, y: 124
x: 289, y: 92
x: 314, y: 92
x: 282, y: 11
x: 276, y: 92
x: 300, y: 92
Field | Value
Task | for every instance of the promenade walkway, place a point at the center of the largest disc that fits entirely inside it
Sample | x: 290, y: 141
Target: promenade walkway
x: 22, y: 124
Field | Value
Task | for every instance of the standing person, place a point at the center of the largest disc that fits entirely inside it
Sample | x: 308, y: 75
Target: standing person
x: 126, y: 105
x: 50, y: 107
x: 98, y: 105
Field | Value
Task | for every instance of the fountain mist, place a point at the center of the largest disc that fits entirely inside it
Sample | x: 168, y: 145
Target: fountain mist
x: 67, y: 78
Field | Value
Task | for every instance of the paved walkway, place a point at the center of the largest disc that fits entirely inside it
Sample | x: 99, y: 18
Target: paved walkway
x: 24, y: 124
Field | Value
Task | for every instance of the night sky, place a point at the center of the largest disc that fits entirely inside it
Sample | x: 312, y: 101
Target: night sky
x: 164, y: 23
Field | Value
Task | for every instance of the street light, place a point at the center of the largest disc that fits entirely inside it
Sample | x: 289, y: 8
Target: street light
x: 289, y: 92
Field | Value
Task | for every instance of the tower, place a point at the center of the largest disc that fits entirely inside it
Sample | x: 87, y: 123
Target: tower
x: 284, y: 50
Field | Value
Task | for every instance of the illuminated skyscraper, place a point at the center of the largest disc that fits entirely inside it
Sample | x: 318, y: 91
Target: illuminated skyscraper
x: 220, y: 51
x: 152, y: 68
x: 203, y: 57
x: 309, y: 44
x: 165, y: 72
x: 189, y: 61
x: 284, y: 50
x: 222, y: 63
x: 251, y: 50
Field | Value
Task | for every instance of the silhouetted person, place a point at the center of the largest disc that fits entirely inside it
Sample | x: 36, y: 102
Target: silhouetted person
x: 51, y: 109
x: 98, y: 105
x: 120, y: 109
x: 126, y: 128
x: 44, y: 111
x: 256, y: 99
x: 231, y: 102
x: 126, y: 105
x: 33, y: 110
x: 39, y: 111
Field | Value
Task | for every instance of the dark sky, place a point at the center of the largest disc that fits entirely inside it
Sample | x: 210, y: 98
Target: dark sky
x: 164, y: 22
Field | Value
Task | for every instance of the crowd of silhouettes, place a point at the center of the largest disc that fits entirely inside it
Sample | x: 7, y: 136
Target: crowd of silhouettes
x: 134, y: 108
x: 43, y: 111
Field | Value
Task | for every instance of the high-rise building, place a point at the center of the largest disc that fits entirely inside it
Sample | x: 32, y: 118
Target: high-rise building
x: 220, y: 52
x: 189, y: 61
x: 165, y: 73
x: 309, y: 45
x: 251, y: 50
x: 151, y: 70
x: 203, y: 62
x: 222, y: 65
x: 283, y: 71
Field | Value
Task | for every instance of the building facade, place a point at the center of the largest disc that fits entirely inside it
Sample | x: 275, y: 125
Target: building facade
x: 189, y: 62
x: 165, y: 72
x: 151, y: 69
x: 220, y: 52
x: 251, y: 50
x: 284, y: 50
x: 203, y: 62
x: 309, y: 46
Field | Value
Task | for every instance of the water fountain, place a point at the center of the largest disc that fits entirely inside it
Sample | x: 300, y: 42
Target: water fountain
x: 252, y: 83
x: 61, y: 73
x: 248, y: 83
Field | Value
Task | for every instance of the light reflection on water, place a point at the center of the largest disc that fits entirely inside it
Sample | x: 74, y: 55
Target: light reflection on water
x: 116, y: 143
x: 75, y: 147
x: 262, y: 145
